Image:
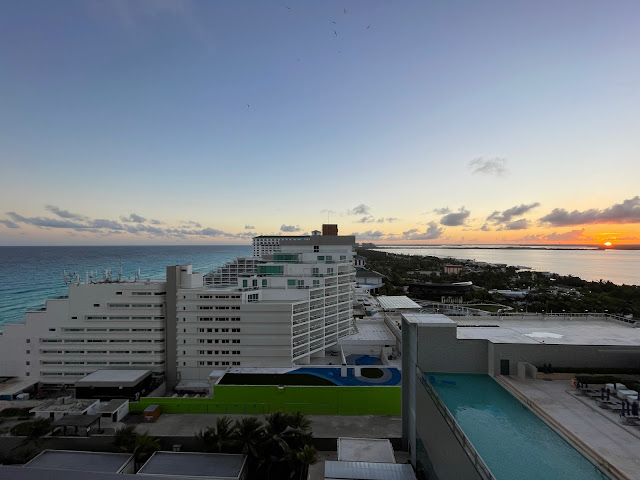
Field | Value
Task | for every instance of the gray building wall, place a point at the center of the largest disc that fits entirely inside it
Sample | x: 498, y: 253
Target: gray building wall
x: 575, y: 356
x: 173, y: 281
x: 439, y: 350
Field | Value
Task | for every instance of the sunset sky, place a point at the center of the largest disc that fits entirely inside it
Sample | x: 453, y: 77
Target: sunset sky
x: 209, y: 122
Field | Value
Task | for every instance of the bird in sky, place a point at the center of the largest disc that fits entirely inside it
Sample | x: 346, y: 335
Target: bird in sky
x: 345, y: 11
x: 335, y: 33
x: 368, y: 27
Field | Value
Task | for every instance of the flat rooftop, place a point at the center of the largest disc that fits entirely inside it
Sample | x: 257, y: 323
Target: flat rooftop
x: 83, y: 461
x: 194, y: 464
x: 549, y: 330
x: 52, y: 405
x: 369, y: 331
x: 375, y: 450
x: 397, y: 302
x: 429, y: 319
x: 111, y: 406
x: 113, y: 376
x: 368, y: 470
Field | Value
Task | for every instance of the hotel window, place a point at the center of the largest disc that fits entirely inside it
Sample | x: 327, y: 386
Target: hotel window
x: 244, y: 283
x: 291, y: 283
x: 264, y: 282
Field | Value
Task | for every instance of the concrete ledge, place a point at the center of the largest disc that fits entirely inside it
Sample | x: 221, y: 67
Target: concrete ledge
x: 566, y: 434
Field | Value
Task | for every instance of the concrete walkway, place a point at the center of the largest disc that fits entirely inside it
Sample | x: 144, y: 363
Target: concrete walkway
x: 598, y: 433
x: 323, y: 426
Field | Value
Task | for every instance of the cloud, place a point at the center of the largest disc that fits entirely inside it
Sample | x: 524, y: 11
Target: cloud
x: 485, y: 228
x: 388, y: 220
x: 289, y: 228
x: 156, y: 222
x: 133, y: 225
x: 506, y: 216
x: 361, y: 209
x: 492, y: 166
x: 9, y: 224
x: 133, y: 218
x: 367, y: 219
x: 432, y: 232
x: 521, y: 224
x: 571, y: 236
x: 64, y: 213
x: 249, y: 227
x: 369, y: 235
x: 455, y: 219
x: 191, y: 222
x: 45, y: 221
x: 626, y: 212
x: 104, y: 223
x: 441, y: 211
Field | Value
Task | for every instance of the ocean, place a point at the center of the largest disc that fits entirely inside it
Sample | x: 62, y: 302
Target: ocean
x: 588, y: 263
x: 31, y: 275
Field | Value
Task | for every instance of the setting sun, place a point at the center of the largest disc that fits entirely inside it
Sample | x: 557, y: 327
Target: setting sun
x: 607, y: 244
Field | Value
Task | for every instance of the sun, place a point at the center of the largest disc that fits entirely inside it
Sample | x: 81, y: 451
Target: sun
x: 607, y: 244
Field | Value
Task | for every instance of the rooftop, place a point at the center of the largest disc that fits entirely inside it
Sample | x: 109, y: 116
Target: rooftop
x: 397, y: 302
x: 369, y: 330
x: 64, y: 404
x: 83, y: 461
x: 113, y: 376
x: 429, y: 319
x: 375, y: 450
x: 550, y: 330
x: 194, y: 464
x: 366, y: 470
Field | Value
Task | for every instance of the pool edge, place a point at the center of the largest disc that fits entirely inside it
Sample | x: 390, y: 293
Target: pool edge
x: 593, y: 456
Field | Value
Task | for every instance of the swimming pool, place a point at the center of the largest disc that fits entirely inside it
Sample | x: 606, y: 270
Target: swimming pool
x: 511, y: 439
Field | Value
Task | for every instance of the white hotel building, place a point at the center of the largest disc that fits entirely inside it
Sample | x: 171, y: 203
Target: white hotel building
x: 277, y: 312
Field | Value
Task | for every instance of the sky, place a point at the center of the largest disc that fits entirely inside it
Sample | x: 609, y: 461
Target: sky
x: 209, y: 122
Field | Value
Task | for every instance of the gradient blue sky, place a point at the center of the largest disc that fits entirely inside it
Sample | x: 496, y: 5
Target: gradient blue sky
x: 413, y: 121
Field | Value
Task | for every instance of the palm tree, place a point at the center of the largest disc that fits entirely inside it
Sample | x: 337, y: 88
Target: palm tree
x: 145, y: 446
x: 305, y: 457
x: 125, y: 438
x: 247, y: 438
x: 216, y: 439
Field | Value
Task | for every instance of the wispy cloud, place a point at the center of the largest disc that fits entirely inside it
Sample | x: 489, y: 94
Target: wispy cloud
x: 626, y: 212
x: 133, y: 218
x: 289, y: 228
x: 361, y: 209
x: 432, y: 232
x: 489, y: 166
x: 506, y: 215
x: 249, y: 227
x: 442, y: 211
x: 64, y: 213
x: 571, y: 236
x: 9, y: 224
x: 521, y: 224
x: 455, y: 219
x: 132, y: 224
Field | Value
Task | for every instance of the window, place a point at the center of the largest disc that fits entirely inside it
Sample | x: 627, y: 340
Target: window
x: 96, y: 304
x: 235, y: 330
x: 316, y: 248
x: 321, y: 258
x: 28, y: 352
x: 244, y: 283
x: 236, y: 340
x: 291, y: 283
x: 264, y: 282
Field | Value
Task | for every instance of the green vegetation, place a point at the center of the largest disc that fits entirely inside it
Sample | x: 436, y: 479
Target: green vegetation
x: 32, y: 430
x: 278, y: 448
x: 372, y: 372
x: 239, y: 399
x: 555, y: 293
x: 141, y: 445
x: 15, y: 412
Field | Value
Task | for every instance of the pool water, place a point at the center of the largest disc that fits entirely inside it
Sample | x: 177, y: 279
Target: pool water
x: 513, y: 442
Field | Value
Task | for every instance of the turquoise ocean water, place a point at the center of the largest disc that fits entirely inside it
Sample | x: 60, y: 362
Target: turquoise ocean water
x: 31, y: 275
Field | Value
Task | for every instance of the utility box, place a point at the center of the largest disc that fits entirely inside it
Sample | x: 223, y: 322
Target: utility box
x: 151, y: 413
